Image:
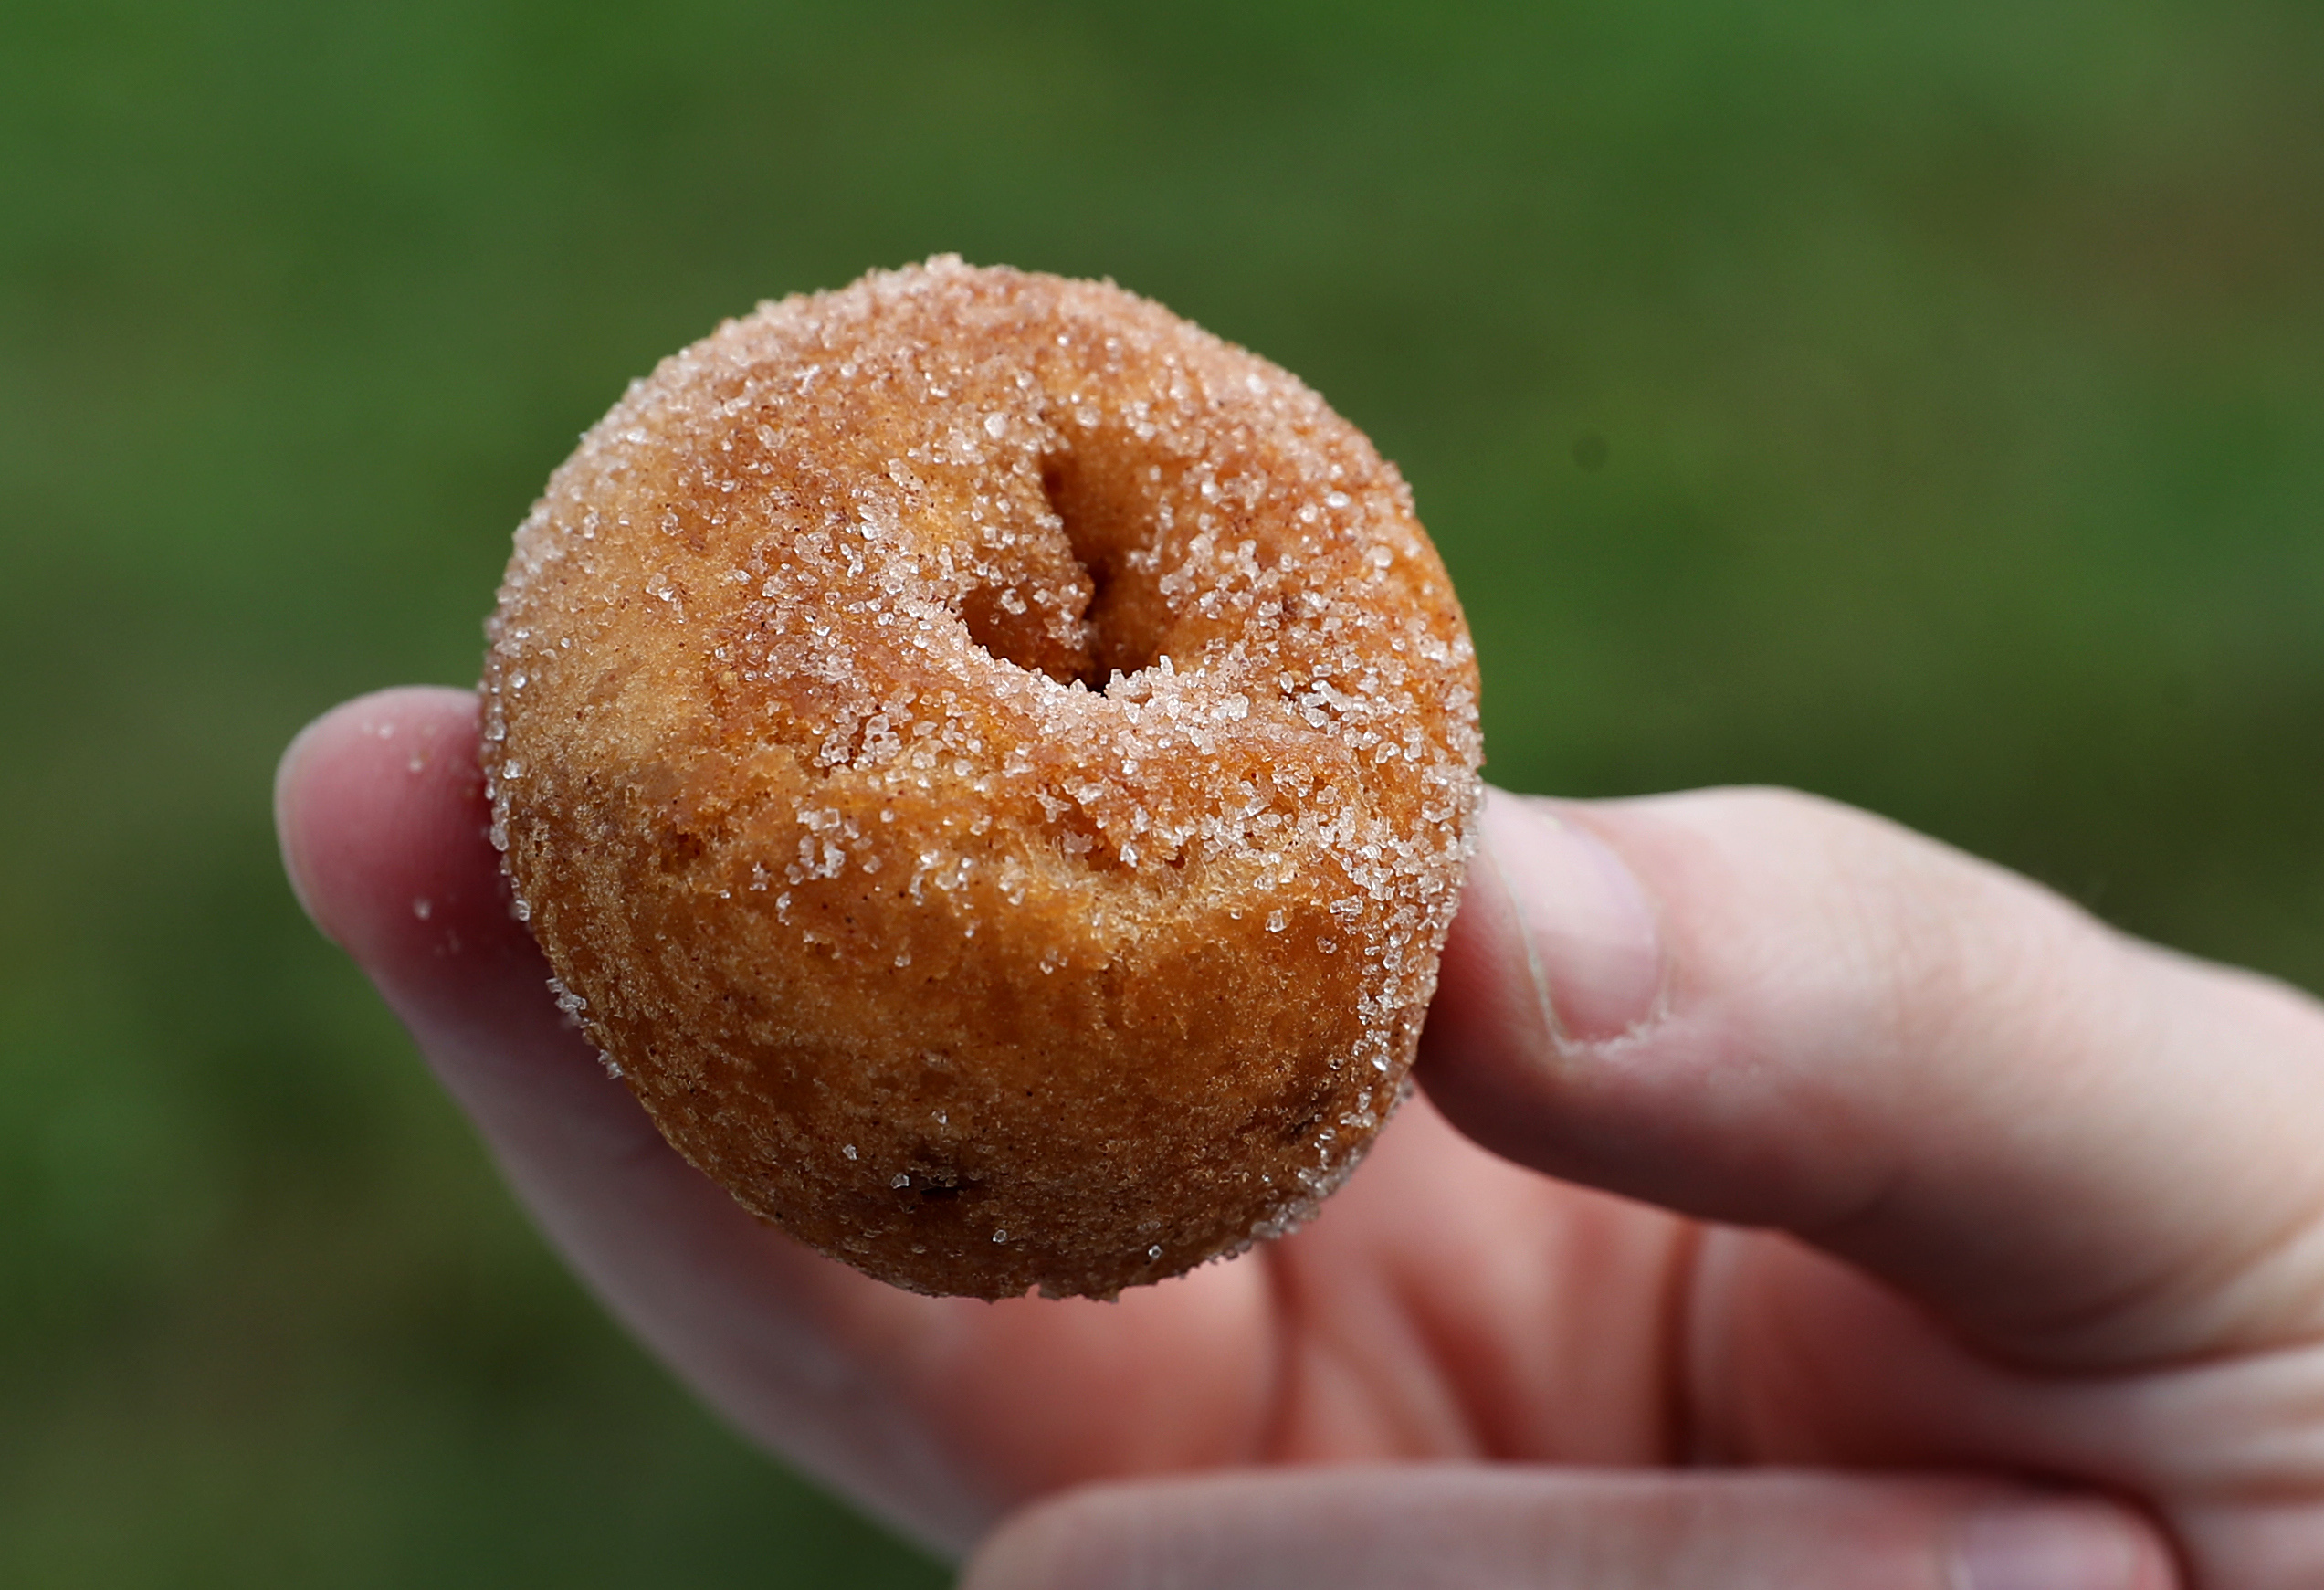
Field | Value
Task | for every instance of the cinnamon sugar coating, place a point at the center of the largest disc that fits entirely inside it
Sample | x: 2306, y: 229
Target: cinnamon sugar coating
x: 991, y: 764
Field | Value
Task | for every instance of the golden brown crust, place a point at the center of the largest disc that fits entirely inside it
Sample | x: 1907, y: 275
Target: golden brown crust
x: 992, y: 765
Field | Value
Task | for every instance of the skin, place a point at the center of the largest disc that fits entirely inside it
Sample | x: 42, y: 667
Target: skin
x: 1793, y: 1202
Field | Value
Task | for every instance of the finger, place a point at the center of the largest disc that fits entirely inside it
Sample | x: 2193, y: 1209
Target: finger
x: 934, y: 1413
x: 379, y: 806
x: 383, y: 825
x: 1765, y: 1009
x: 1449, y: 1527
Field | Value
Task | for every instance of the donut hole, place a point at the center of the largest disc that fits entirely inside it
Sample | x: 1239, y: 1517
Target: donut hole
x: 1107, y: 519
x: 1081, y: 606
x: 1033, y: 622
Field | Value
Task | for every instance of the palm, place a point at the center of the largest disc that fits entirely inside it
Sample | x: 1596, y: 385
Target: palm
x: 1448, y: 1304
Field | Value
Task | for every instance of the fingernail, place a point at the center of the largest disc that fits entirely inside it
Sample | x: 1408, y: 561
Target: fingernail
x: 2022, y: 1547
x: 1593, y: 947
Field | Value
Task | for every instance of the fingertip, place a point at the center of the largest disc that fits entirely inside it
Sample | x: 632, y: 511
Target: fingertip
x: 379, y: 813
x: 1490, y: 995
x: 289, y: 829
x: 1557, y: 951
x: 1590, y: 932
x: 1035, y: 1549
x: 385, y: 832
x: 2056, y: 1544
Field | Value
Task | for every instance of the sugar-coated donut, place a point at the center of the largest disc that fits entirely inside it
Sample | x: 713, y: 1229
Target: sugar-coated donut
x: 991, y: 764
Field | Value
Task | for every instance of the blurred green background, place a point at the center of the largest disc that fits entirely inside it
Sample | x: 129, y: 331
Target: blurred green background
x: 1923, y: 405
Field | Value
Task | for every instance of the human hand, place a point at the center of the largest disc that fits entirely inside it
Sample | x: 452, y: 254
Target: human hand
x: 2038, y: 1205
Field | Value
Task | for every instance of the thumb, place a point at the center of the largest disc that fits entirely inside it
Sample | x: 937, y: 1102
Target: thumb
x: 1760, y: 1008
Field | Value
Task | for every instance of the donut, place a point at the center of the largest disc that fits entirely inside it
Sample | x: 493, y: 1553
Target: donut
x: 990, y: 765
